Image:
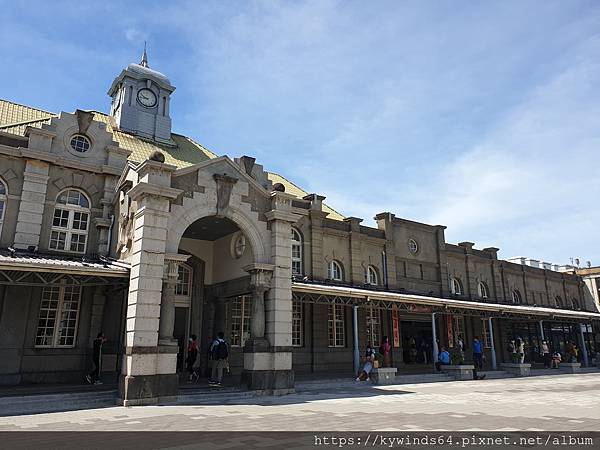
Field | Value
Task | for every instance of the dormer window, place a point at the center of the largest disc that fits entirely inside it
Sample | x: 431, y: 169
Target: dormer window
x: 80, y: 143
x: 516, y: 297
x: 482, y: 290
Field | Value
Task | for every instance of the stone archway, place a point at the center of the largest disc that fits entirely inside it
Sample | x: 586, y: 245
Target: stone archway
x: 183, y: 216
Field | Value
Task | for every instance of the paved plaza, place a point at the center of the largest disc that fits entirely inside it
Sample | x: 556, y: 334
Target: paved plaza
x: 560, y: 402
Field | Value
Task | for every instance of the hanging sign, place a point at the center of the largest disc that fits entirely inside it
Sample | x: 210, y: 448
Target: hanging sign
x: 450, y: 331
x: 395, y: 327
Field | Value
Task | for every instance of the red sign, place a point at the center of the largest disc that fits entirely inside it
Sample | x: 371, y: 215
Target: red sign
x: 450, y: 331
x: 395, y: 327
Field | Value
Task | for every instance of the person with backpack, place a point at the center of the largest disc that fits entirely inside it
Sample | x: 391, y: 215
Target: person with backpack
x: 219, y: 351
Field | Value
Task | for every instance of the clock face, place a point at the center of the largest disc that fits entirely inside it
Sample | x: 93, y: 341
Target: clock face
x: 146, y: 97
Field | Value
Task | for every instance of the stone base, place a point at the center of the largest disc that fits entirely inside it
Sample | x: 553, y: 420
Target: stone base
x: 148, y: 389
x: 570, y: 367
x: 383, y: 375
x: 460, y: 372
x: 271, y: 381
x: 257, y: 345
x: 517, y: 369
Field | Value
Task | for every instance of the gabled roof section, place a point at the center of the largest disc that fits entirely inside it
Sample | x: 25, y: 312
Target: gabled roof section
x: 15, y: 118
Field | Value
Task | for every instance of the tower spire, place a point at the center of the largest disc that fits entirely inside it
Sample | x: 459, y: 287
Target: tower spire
x: 144, y: 61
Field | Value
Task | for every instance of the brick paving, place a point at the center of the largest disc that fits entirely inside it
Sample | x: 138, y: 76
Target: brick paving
x: 560, y: 402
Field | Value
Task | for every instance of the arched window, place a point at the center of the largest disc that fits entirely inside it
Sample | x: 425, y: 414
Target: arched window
x: 296, y: 252
x: 482, y: 290
x: 575, y: 303
x: 558, y: 302
x: 70, y: 222
x: 335, y: 271
x: 3, y: 194
x: 456, y: 286
x: 371, y: 276
x: 184, y: 280
x: 516, y: 297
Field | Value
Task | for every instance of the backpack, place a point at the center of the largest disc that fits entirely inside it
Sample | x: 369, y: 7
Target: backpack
x: 222, y: 351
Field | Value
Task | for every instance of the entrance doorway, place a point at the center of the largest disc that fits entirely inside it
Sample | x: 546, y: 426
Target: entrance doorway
x: 416, y: 342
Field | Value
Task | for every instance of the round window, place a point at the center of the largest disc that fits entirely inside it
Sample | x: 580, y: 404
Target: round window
x: 80, y: 143
x: 413, y: 247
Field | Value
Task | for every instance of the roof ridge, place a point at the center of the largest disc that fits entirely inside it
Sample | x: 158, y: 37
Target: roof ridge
x: 27, y: 106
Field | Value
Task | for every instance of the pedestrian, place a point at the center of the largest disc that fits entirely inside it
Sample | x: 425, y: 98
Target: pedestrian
x: 477, y: 353
x: 94, y: 376
x: 520, y: 350
x: 443, y: 359
x: 368, y: 365
x: 477, y: 358
x: 385, y: 349
x: 545, y: 351
x: 219, y: 355
x: 556, y: 360
x: 192, y: 355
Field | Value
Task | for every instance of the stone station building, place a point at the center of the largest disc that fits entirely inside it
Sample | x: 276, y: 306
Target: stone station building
x: 113, y: 223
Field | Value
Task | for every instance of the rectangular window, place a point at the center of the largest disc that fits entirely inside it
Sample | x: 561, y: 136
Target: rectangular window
x: 485, y: 334
x: 61, y: 218
x: 296, y: 323
x: 336, y: 328
x: 57, y: 320
x: 239, y: 313
x: 373, y: 327
x: 57, y: 240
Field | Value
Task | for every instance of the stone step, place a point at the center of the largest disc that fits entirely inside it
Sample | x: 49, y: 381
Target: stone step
x: 214, y: 396
x: 46, y: 403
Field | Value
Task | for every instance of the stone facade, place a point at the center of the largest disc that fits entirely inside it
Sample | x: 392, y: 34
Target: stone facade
x: 207, y: 247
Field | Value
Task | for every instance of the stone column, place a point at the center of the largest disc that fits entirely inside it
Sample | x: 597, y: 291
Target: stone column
x: 355, y: 336
x: 149, y: 370
x: 260, y: 282
x: 167, y: 305
x: 271, y: 368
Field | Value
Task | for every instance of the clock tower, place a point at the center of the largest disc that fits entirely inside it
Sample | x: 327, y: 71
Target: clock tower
x: 140, y: 102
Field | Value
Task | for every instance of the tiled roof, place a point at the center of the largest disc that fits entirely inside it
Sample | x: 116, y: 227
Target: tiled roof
x: 15, y: 118
x: 27, y: 261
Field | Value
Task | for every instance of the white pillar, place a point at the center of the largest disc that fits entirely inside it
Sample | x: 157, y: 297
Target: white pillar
x: 434, y: 346
x: 493, y: 353
x: 542, y: 330
x: 355, y: 332
x: 583, y: 347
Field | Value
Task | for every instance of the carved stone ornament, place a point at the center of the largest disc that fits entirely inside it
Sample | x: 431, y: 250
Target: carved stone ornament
x: 125, y: 224
x: 224, y: 187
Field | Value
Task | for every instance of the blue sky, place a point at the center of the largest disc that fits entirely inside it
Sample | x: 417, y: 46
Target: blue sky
x: 482, y: 116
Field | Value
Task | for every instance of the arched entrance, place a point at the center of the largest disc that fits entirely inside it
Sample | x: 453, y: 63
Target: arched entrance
x: 220, y: 291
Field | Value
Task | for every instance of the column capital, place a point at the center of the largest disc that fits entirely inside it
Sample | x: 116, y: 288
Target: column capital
x: 172, y: 261
x: 260, y: 276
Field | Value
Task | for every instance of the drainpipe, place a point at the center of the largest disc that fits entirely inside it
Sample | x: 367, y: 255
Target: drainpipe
x: 434, y: 346
x: 583, y: 347
x: 493, y: 352
x: 355, y: 329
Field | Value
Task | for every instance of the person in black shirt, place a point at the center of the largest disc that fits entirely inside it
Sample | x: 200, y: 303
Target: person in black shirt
x: 93, y: 376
